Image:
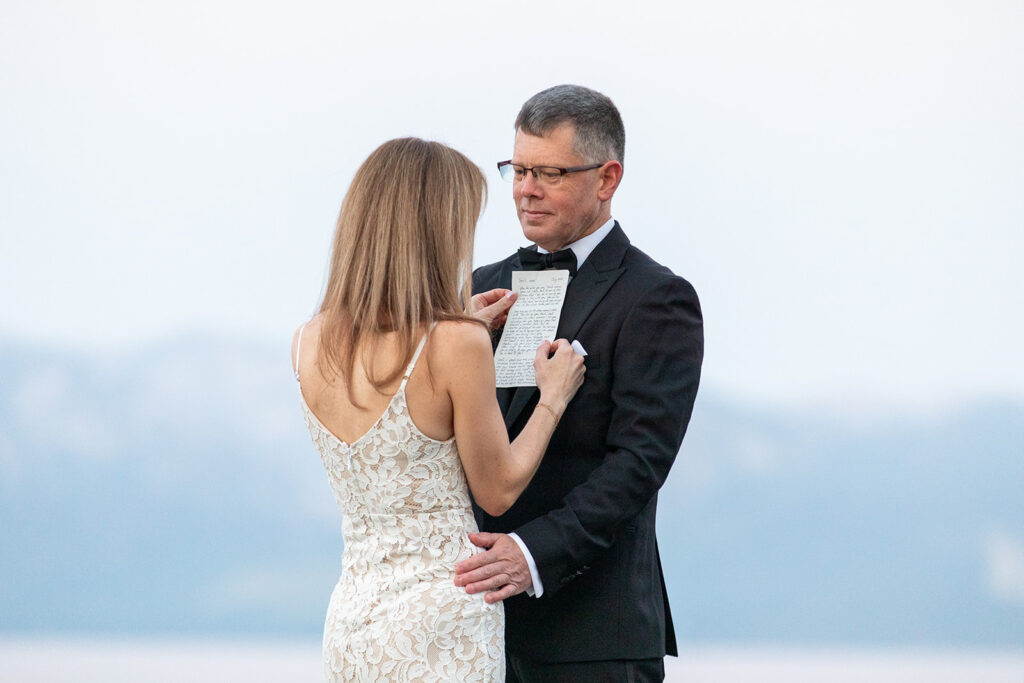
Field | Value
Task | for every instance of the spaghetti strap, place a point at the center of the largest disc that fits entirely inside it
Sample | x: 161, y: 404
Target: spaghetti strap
x: 415, y: 357
x: 298, y: 350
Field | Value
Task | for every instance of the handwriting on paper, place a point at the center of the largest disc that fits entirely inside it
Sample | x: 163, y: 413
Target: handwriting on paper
x: 533, y: 319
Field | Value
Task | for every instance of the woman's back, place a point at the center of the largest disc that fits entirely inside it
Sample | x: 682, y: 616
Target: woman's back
x: 350, y: 406
x: 395, y: 613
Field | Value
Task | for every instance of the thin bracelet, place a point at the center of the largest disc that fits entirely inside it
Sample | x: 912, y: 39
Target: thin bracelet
x: 550, y: 410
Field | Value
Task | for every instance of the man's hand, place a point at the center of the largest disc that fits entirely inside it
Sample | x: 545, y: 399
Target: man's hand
x: 501, y: 570
x: 492, y: 307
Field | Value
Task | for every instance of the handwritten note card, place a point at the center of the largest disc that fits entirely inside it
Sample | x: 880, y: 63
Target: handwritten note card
x: 533, y: 318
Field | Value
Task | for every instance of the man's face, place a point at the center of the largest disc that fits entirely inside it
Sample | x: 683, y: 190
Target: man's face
x: 554, y: 216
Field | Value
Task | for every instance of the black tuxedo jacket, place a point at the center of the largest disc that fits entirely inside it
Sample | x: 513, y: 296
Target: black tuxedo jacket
x: 588, y: 514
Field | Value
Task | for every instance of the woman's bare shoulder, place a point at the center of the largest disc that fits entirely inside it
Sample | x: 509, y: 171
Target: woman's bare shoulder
x: 461, y: 335
x: 457, y: 343
x: 308, y: 333
x: 311, y: 324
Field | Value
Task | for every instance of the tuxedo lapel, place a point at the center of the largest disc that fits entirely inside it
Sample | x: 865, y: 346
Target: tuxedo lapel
x: 584, y: 293
x: 595, y: 277
x: 505, y: 395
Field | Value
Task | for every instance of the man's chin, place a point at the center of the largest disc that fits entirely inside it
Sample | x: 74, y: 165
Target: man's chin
x: 534, y: 235
x: 534, y: 230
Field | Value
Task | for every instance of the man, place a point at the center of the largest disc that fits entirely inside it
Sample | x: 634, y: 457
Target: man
x: 580, y: 541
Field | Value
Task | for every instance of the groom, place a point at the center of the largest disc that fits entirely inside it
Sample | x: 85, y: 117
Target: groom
x: 576, y: 558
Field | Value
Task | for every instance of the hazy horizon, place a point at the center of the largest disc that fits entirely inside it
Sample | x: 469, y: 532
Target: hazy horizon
x: 175, y: 491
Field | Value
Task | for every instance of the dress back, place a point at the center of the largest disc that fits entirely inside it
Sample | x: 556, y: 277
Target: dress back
x: 396, y: 613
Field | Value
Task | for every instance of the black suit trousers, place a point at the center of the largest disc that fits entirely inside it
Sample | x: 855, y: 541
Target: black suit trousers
x: 519, y: 670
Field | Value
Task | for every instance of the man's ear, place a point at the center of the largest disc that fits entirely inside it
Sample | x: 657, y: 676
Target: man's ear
x: 611, y: 176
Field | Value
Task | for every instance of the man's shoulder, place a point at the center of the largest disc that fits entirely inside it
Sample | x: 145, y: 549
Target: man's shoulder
x: 486, y: 276
x: 498, y: 265
x: 492, y: 268
x: 649, y: 274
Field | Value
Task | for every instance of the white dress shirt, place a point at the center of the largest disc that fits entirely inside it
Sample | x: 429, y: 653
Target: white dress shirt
x: 582, y: 248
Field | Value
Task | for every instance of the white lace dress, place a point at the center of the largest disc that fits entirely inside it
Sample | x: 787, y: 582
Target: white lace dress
x: 395, y: 613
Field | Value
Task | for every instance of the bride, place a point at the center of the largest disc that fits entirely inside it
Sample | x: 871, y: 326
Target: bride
x: 397, y: 389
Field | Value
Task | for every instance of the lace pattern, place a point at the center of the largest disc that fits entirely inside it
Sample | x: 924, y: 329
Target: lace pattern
x: 395, y: 613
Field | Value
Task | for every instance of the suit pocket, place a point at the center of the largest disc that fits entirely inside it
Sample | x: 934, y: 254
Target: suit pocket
x: 592, y: 361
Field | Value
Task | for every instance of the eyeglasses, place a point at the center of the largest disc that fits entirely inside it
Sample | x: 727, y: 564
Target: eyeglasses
x: 545, y: 175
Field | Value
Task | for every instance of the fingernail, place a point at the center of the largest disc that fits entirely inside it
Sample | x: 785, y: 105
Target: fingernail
x: 510, y: 295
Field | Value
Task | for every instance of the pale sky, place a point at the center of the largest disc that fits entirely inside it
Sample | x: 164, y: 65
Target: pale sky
x: 843, y: 186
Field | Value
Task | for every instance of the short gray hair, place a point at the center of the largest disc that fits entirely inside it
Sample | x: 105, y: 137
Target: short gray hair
x: 600, y: 135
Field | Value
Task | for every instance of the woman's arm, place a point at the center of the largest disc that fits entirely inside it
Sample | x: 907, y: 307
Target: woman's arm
x: 497, y: 471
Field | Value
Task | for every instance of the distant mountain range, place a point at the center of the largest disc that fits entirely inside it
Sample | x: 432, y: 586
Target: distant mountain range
x: 174, y: 490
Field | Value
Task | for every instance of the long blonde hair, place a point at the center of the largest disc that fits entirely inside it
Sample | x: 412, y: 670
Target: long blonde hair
x: 402, y: 254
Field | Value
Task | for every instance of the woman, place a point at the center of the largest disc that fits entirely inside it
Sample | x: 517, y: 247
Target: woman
x: 397, y: 388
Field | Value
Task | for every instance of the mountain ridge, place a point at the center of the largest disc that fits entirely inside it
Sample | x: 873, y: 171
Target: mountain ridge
x: 173, y: 489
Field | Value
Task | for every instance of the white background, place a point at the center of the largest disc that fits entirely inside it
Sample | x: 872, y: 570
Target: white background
x: 842, y: 184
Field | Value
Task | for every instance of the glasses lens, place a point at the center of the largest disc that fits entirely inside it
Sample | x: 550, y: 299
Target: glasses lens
x: 512, y: 172
x: 548, y: 174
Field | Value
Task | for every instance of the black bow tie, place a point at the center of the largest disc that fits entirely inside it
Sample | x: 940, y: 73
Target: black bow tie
x: 560, y: 260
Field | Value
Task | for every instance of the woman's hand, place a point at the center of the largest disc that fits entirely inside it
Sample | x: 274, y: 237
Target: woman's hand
x: 492, y: 307
x: 559, y: 374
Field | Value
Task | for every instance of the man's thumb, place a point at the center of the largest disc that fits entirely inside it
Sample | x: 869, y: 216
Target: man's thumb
x: 482, y: 539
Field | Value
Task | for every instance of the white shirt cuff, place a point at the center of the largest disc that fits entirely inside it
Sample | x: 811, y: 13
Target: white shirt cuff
x: 537, y: 589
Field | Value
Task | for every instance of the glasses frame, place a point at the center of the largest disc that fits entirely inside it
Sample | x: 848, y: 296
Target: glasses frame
x: 562, y: 172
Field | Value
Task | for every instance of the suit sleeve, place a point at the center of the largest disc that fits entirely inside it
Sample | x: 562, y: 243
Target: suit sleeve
x: 655, y: 373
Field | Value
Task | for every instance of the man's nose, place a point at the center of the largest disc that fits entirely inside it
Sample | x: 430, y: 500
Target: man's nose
x: 528, y: 186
